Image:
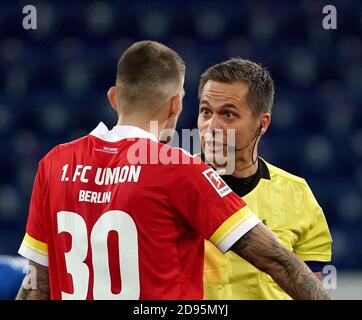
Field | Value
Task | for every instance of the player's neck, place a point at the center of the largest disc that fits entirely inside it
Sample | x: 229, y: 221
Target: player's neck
x: 142, y: 124
x: 139, y: 124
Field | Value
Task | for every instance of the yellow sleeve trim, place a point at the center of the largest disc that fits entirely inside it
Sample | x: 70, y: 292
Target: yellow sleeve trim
x: 36, y: 245
x: 230, y: 225
x: 35, y: 250
x: 319, y: 257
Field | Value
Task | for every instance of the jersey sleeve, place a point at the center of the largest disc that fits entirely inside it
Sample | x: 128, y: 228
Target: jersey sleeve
x: 34, y: 246
x: 314, y: 244
x: 208, y: 204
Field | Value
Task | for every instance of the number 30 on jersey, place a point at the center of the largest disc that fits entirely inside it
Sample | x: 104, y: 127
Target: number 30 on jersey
x: 114, y: 220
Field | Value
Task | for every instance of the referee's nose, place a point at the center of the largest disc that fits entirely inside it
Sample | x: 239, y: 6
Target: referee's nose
x: 214, y: 125
x: 213, y: 132
x: 209, y: 127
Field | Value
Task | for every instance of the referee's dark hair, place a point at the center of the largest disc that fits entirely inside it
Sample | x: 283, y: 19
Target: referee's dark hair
x: 148, y: 73
x: 261, y: 85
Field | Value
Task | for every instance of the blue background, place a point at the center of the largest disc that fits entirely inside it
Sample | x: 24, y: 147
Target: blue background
x: 53, y: 84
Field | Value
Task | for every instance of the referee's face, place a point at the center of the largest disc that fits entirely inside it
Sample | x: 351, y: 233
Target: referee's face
x: 224, y: 108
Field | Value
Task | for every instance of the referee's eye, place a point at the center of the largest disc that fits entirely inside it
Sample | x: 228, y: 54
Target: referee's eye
x: 229, y: 114
x: 204, y: 111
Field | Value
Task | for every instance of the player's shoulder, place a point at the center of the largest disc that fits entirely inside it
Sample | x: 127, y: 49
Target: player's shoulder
x: 63, y: 148
x: 278, y: 173
x: 178, y: 156
x: 184, y: 153
x: 180, y: 164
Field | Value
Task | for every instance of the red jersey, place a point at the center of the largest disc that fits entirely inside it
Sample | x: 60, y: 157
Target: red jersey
x: 118, y: 215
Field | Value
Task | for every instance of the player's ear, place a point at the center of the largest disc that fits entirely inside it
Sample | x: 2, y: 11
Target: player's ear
x: 111, y: 94
x: 175, y: 106
x: 264, y: 122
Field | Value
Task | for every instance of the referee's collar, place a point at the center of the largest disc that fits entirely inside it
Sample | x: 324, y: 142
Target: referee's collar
x: 120, y: 132
x: 243, y: 186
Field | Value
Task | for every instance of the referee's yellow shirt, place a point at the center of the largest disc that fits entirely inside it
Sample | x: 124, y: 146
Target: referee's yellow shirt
x: 286, y: 204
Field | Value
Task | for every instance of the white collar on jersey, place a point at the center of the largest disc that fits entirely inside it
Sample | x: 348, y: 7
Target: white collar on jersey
x: 120, y: 132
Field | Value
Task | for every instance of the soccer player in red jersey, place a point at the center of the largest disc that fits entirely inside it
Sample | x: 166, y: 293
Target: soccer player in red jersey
x: 119, y: 215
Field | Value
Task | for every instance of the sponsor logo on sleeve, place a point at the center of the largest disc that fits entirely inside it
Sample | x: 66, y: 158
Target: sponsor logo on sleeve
x: 217, y: 182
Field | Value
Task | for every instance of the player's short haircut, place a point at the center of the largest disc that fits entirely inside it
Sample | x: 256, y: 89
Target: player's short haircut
x: 148, y: 73
x: 261, y: 85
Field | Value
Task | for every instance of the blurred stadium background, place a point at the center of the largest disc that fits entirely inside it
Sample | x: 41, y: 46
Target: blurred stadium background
x: 53, y: 84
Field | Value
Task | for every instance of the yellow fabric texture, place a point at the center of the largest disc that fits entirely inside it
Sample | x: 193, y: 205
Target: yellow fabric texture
x: 287, y: 206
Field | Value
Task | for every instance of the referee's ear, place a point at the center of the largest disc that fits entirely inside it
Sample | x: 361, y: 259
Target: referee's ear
x: 111, y: 94
x: 264, y: 122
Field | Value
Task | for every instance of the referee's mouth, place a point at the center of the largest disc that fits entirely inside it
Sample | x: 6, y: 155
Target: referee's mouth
x: 214, y: 146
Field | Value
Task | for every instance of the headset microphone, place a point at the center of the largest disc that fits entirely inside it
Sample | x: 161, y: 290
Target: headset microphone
x: 234, y: 149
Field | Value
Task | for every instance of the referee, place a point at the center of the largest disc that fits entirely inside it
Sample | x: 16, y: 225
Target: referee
x: 238, y: 94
